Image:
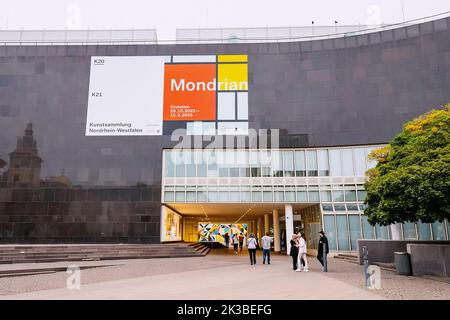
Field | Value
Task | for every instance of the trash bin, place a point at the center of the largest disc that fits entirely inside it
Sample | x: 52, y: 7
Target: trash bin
x: 403, y: 263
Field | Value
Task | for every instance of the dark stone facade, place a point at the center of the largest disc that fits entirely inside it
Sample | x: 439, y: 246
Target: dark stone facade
x: 343, y: 91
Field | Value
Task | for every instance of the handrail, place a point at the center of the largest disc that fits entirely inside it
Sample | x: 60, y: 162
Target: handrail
x: 149, y: 36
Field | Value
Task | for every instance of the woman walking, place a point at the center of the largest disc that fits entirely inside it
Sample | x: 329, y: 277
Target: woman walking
x: 302, y: 254
x: 251, y: 246
x: 235, y: 241
x: 294, y: 251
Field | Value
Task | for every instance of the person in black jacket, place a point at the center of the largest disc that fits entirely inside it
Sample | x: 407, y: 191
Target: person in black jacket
x: 294, y: 251
x: 323, y: 241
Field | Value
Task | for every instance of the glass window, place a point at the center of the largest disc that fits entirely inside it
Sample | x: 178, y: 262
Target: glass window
x: 180, y: 167
x: 234, y: 194
x: 330, y: 230
x: 267, y: 194
x: 201, y: 194
x: 191, y: 194
x: 277, y: 164
x: 288, y: 163
x: 223, y: 194
x: 367, y: 228
x: 355, y: 230
x: 169, y: 165
x: 245, y: 194
x: 370, y: 163
x: 223, y: 172
x: 350, y: 195
x: 180, y: 194
x: 169, y: 196
x: 327, y: 207
x: 347, y: 163
x: 279, y: 193
x: 302, y: 195
x: 424, y: 231
x: 362, y: 195
x: 382, y: 232
x: 448, y: 229
x: 362, y: 206
x: 190, y: 164
x: 234, y: 172
x: 300, y: 165
x: 360, y: 161
x: 324, y: 169
x: 212, y: 194
x: 290, y: 193
x: 311, y: 163
x: 335, y: 163
x: 409, y: 231
x: 338, y: 196
x: 325, y: 196
x: 339, y: 207
x: 342, y: 232
x: 256, y: 194
x: 212, y: 164
x: 352, y: 207
x: 313, y: 192
x: 438, y: 231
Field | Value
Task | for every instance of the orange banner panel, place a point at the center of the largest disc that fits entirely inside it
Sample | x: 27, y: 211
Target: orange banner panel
x: 189, y: 92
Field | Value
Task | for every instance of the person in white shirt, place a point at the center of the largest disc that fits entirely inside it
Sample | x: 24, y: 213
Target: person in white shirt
x: 251, y: 246
x: 266, y: 244
x: 302, y: 254
x: 235, y: 241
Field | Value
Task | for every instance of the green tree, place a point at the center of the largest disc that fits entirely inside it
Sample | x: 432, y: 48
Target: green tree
x: 411, y: 181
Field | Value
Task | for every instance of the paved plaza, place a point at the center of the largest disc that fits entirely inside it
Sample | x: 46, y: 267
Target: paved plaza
x: 216, y: 276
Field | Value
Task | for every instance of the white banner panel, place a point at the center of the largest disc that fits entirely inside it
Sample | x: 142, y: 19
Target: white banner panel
x: 126, y: 96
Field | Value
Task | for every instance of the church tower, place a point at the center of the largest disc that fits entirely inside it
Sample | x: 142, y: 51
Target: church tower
x: 25, y: 163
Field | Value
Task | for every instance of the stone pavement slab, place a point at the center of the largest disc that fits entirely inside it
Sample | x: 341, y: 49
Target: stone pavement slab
x: 236, y: 281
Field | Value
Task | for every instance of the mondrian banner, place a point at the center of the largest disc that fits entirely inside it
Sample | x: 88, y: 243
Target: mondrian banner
x: 204, y: 94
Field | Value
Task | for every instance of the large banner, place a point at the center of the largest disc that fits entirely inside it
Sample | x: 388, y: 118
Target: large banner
x: 136, y: 95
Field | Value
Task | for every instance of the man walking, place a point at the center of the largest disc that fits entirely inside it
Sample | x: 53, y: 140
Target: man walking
x: 323, y: 241
x: 266, y: 244
x: 241, y: 241
x: 227, y: 240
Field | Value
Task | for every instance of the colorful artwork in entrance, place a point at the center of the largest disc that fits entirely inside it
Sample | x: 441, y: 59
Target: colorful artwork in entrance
x: 211, y: 232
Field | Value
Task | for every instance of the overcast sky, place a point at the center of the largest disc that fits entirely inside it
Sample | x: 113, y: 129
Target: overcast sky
x: 167, y: 15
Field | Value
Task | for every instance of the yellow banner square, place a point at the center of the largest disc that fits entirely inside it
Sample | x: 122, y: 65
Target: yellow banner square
x: 232, y: 58
x: 232, y: 77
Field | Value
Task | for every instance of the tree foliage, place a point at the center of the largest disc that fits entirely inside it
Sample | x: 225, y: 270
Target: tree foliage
x: 411, y: 181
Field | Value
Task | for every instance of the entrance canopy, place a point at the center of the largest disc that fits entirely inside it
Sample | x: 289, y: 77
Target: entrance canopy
x: 231, y: 212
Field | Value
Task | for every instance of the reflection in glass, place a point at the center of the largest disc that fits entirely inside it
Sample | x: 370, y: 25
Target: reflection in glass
x: 438, y: 231
x: 324, y: 169
x: 330, y: 231
x: 311, y: 163
x: 424, y: 231
x: 367, y: 228
x: 300, y: 165
x: 335, y: 163
x: 355, y: 230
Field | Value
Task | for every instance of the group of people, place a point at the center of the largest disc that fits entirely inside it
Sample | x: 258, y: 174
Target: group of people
x: 252, y: 244
x: 299, y: 250
x: 236, y: 240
